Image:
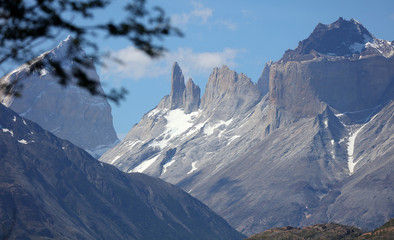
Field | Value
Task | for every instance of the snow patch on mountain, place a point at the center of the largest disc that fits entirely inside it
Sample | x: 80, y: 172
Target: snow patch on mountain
x: 233, y: 138
x: 383, y: 47
x: 351, y: 145
x: 194, y: 168
x: 167, y: 165
x: 178, y: 122
x: 209, y: 129
x: 43, y: 72
x: 116, y: 158
x: 326, y: 123
x: 10, y: 131
x: 145, y: 164
x: 23, y: 141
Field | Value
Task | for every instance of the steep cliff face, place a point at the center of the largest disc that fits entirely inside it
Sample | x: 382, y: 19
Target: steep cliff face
x: 340, y: 64
x: 69, y: 112
x: 191, y: 97
x: 347, y: 85
x: 289, y: 150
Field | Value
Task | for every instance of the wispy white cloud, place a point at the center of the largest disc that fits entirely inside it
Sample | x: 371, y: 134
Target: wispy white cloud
x: 136, y: 65
x: 199, y: 14
x: 202, y: 12
x: 227, y: 24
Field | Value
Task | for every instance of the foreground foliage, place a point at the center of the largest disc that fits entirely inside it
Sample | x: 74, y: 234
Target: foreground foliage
x: 328, y: 231
x: 27, y: 25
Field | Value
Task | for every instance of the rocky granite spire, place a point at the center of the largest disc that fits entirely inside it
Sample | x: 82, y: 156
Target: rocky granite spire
x: 263, y: 82
x: 191, y: 97
x: 177, y: 87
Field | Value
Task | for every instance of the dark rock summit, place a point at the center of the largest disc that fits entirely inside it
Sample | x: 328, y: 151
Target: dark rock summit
x: 341, y: 38
x: 51, y: 189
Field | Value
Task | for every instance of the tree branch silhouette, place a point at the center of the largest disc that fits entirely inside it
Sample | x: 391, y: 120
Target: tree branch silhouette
x: 24, y: 24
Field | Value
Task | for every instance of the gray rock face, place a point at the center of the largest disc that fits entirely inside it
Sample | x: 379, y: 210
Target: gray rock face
x: 177, y: 87
x: 68, y: 112
x: 228, y: 93
x: 317, y: 147
x: 191, y: 97
x: 182, y: 96
x: 344, y: 84
x: 263, y: 81
x: 51, y: 189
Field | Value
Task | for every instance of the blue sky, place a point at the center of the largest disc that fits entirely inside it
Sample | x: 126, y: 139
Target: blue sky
x: 241, y: 34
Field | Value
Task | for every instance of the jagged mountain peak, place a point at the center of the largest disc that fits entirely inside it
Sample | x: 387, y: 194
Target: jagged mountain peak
x: 340, y: 38
x: 228, y: 92
x: 225, y: 74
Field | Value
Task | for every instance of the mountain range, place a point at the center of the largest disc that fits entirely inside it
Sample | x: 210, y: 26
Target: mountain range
x: 310, y: 142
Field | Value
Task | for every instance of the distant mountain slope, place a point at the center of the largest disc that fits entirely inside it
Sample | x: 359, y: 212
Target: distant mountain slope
x: 68, y: 112
x: 51, y: 189
x: 310, y: 142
